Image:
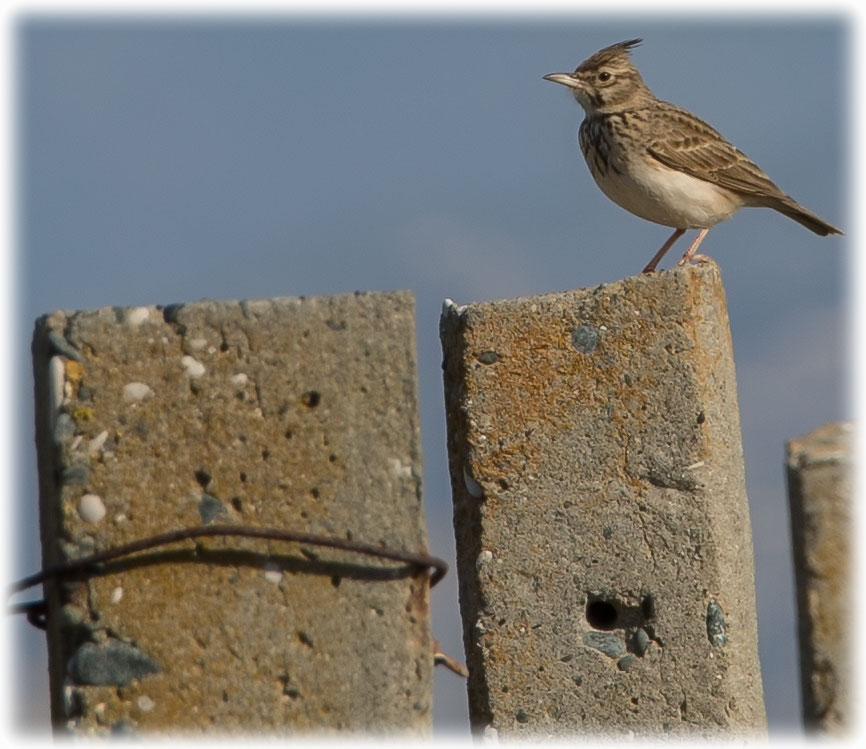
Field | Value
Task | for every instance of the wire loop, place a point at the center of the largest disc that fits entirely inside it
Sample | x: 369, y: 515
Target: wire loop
x: 36, y: 610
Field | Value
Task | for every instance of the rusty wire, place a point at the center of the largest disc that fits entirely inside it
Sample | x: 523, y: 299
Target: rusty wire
x: 35, y: 610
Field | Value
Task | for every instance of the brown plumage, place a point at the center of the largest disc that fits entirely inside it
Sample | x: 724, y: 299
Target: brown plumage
x: 660, y: 161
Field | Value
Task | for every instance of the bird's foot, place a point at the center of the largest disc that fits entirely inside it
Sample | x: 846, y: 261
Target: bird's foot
x: 698, y: 258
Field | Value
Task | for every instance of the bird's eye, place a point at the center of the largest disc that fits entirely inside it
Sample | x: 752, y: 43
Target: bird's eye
x: 604, y: 76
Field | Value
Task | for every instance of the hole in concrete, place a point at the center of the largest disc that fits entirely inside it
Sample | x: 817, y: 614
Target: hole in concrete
x: 311, y: 398
x: 202, y: 477
x: 648, y: 607
x: 602, y: 615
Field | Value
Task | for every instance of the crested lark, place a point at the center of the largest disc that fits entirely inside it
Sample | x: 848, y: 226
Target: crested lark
x: 659, y: 161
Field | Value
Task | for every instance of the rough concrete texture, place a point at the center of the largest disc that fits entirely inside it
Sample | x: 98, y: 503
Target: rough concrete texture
x: 603, y: 535
x: 292, y: 413
x: 820, y: 478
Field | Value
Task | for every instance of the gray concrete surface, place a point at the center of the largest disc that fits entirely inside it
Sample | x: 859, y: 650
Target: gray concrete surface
x: 604, y: 545
x: 293, y: 413
x: 820, y: 486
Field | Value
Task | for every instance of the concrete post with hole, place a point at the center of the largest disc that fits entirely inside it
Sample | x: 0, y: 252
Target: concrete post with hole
x: 292, y: 413
x: 820, y: 487
x: 604, y: 546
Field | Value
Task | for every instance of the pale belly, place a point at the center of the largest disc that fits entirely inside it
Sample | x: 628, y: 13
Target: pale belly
x: 669, y: 197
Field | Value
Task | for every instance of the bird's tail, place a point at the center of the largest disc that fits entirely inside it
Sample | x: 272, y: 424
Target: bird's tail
x: 792, y: 209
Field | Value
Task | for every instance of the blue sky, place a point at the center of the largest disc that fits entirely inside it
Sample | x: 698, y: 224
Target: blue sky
x: 169, y: 161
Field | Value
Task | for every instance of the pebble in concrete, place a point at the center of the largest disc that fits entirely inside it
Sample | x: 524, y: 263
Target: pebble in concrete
x: 603, y: 536
x: 820, y: 479
x: 110, y: 663
x: 290, y: 413
x: 91, y: 508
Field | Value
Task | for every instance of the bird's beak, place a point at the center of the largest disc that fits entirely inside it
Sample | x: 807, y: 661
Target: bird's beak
x: 566, y: 79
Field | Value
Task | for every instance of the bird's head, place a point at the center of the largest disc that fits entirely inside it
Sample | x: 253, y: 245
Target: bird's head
x: 607, y: 81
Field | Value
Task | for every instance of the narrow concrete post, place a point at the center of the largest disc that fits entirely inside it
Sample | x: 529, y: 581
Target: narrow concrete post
x: 820, y: 467
x: 292, y: 413
x: 603, y: 534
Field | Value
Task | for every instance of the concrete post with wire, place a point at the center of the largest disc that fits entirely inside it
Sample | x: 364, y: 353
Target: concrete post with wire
x: 820, y: 468
x: 604, y: 547
x: 290, y: 413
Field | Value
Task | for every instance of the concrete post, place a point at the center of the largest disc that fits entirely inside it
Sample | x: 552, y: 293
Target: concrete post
x: 294, y: 413
x: 603, y: 535
x: 820, y: 467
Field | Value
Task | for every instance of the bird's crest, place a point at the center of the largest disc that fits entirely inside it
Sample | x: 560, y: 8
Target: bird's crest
x: 614, y: 53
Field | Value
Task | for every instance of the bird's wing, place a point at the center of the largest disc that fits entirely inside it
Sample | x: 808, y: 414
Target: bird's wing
x: 697, y: 149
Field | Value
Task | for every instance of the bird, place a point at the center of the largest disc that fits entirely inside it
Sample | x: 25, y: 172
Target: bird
x: 660, y: 161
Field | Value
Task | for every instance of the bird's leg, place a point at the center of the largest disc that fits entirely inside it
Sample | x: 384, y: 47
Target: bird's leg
x: 690, y: 253
x: 651, y: 265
